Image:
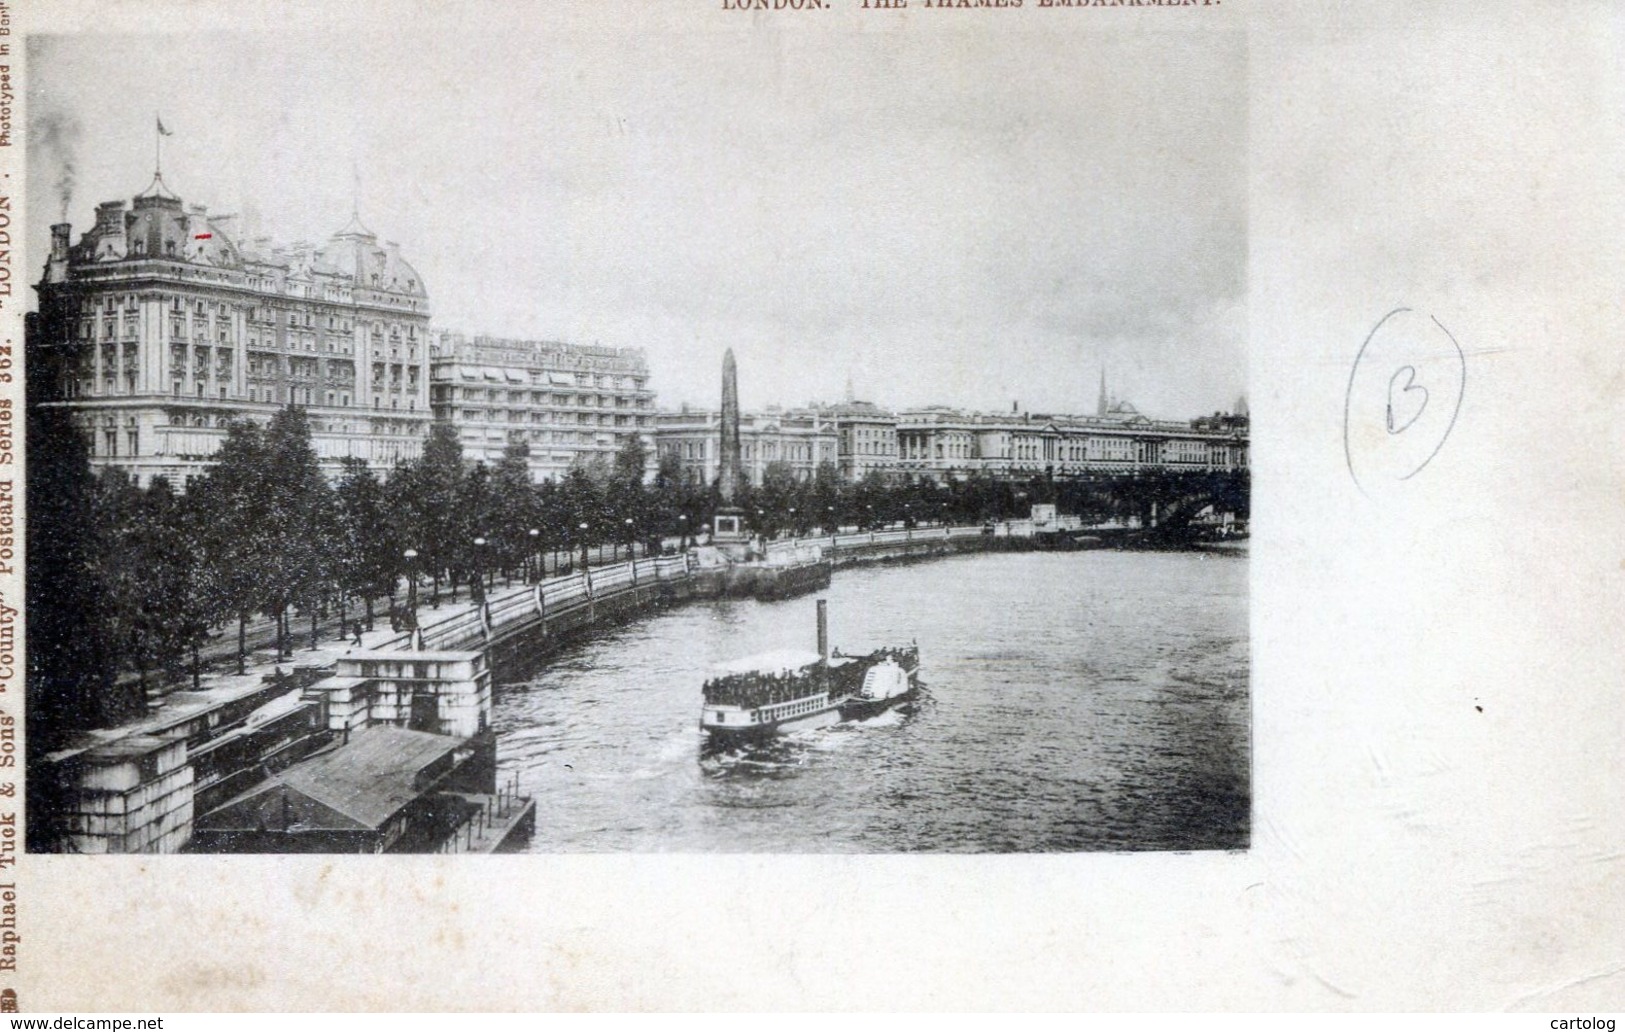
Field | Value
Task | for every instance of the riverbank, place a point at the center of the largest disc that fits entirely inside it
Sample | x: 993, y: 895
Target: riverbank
x: 143, y: 787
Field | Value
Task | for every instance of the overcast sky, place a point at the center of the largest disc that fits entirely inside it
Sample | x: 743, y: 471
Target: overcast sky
x: 942, y: 217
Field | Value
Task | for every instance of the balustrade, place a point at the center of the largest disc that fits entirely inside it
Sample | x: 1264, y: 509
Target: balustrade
x: 565, y: 592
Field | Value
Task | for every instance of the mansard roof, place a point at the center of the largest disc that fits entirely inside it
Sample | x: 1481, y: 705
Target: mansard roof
x: 158, y: 225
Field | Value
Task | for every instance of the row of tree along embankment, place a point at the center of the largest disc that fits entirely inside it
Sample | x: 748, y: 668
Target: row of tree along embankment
x: 520, y: 626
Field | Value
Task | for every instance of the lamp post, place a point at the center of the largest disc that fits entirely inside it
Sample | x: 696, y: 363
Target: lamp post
x: 534, y: 561
x: 829, y: 518
x: 583, y: 529
x: 682, y: 532
x: 631, y: 549
x: 411, y: 555
x: 793, y: 530
x: 478, y: 584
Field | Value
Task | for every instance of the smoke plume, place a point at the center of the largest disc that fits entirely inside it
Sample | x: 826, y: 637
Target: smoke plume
x: 56, y: 134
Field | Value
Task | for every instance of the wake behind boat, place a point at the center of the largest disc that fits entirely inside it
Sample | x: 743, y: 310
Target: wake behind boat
x: 774, y: 693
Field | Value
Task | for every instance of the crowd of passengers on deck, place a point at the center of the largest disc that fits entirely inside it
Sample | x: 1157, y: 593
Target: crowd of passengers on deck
x: 758, y: 689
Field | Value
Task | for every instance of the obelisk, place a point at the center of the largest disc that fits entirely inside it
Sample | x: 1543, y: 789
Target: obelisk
x: 727, y: 527
x: 728, y: 481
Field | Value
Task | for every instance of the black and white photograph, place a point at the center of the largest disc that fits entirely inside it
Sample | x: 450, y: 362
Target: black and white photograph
x: 748, y: 506
x: 512, y: 449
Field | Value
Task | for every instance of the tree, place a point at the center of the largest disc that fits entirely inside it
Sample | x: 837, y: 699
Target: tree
x: 583, y: 505
x: 299, y: 525
x: 553, y: 519
x: 182, y: 600
x: 233, y: 501
x: 778, y: 493
x: 471, y: 521
x: 369, y: 549
x: 426, y: 494
x: 514, y: 509
x: 824, y: 496
x: 627, y: 509
x: 71, y: 660
x: 631, y: 460
x: 70, y: 681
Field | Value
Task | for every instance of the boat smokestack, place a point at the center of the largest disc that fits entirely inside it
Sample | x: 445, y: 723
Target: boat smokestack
x: 823, y: 629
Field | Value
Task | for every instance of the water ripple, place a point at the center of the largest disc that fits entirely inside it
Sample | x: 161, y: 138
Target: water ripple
x: 1076, y: 701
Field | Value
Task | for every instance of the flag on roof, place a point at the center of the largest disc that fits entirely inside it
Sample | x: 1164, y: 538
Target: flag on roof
x: 161, y: 130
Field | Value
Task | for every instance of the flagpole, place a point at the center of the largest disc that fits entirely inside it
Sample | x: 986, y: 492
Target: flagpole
x: 157, y: 146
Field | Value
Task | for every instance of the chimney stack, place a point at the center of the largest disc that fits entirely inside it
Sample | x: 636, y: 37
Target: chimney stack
x: 56, y: 269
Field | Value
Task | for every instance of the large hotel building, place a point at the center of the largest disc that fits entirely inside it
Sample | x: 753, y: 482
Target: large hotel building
x: 566, y: 403
x: 158, y: 329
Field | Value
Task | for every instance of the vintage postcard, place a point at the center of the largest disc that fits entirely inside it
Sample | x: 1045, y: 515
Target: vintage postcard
x: 527, y: 491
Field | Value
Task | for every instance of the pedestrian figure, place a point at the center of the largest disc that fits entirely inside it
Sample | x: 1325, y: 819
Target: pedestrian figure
x: 358, y: 632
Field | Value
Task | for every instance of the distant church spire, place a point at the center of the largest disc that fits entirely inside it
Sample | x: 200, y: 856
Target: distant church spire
x: 1102, y: 406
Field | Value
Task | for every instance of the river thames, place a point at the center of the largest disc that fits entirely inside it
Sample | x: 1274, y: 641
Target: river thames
x: 1074, y: 701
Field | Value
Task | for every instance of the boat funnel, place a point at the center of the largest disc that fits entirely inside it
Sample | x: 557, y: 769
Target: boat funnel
x: 823, y: 630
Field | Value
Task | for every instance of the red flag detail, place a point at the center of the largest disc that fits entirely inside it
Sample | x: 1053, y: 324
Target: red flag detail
x: 203, y: 236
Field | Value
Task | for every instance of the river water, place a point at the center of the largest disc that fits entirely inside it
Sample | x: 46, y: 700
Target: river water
x: 1075, y: 701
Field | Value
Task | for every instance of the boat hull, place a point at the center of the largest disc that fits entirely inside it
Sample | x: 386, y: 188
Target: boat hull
x: 749, y: 734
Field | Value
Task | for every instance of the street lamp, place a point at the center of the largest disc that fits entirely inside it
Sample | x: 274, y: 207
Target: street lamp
x: 583, y: 529
x: 411, y: 555
x: 534, y: 560
x: 682, y: 532
x: 631, y: 552
x: 479, y: 567
x: 792, y: 521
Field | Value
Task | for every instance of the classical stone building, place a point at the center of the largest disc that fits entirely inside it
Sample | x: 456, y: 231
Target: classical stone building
x: 944, y: 442
x: 160, y: 327
x: 802, y: 439
x: 867, y: 435
x: 570, y: 403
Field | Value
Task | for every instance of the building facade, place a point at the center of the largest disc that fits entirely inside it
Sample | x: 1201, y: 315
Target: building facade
x: 158, y: 329
x: 568, y: 403
x: 868, y: 438
x: 802, y: 439
x: 940, y: 443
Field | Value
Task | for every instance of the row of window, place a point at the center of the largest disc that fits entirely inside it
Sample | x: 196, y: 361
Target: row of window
x: 475, y: 415
x: 448, y: 394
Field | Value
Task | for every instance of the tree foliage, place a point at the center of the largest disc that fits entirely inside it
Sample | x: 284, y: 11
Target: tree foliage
x: 127, y: 584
